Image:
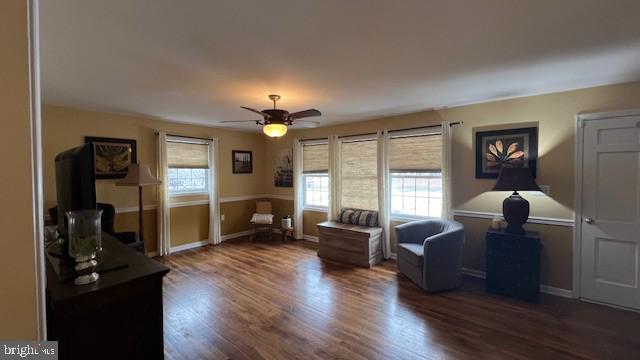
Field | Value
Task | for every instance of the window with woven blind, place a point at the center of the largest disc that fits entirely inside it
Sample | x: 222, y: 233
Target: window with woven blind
x: 315, y: 158
x: 187, y: 155
x: 415, y: 164
x: 315, y: 175
x: 188, y: 167
x: 359, y: 174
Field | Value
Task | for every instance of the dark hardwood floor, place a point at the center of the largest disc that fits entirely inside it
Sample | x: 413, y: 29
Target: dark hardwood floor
x: 263, y: 300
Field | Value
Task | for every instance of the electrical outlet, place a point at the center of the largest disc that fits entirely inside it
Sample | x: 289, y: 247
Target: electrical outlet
x: 222, y: 217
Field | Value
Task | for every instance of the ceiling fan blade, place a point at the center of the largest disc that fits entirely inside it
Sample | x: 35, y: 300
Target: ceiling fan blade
x: 238, y: 121
x: 304, y: 114
x: 256, y: 111
x: 305, y: 123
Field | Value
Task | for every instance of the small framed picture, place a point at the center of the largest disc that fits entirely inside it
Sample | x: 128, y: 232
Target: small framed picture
x: 113, y: 156
x: 242, y: 162
x: 506, y: 148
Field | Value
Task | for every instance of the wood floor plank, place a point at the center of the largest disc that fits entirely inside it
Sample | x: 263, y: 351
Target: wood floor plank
x: 269, y: 300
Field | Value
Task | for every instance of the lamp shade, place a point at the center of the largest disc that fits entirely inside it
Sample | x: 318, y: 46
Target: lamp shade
x: 138, y: 175
x: 275, y: 130
x: 514, y: 179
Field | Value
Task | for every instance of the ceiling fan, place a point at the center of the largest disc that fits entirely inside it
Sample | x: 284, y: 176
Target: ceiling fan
x: 275, y: 121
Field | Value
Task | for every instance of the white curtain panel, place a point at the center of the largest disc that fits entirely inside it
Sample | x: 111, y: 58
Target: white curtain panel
x: 334, y: 178
x: 298, y: 189
x: 384, y: 193
x: 447, y: 207
x: 164, y: 240
x: 214, y: 194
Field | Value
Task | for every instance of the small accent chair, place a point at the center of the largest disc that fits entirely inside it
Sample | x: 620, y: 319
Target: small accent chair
x: 430, y: 253
x: 263, y: 218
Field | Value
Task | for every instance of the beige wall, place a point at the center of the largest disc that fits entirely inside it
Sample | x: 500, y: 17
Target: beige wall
x: 554, y: 114
x: 65, y: 127
x: 18, y: 297
x: 189, y: 224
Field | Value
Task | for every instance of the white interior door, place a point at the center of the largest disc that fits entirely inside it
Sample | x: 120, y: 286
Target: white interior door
x: 610, y: 244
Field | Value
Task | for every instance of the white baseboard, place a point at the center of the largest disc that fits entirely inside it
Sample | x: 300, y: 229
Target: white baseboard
x: 311, y: 238
x: 566, y: 293
x: 188, y: 246
x: 235, y: 235
x: 152, y: 254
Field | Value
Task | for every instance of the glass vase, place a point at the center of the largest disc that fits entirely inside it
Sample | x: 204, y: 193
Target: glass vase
x: 85, y: 241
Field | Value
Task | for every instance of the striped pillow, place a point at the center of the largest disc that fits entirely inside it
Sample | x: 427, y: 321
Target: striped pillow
x: 358, y: 217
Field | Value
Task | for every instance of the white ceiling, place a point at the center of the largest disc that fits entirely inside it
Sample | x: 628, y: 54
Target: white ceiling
x: 197, y: 61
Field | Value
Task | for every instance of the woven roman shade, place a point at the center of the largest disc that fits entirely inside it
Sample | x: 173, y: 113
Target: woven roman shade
x: 315, y: 158
x: 187, y: 155
x: 359, y: 175
x: 422, y: 153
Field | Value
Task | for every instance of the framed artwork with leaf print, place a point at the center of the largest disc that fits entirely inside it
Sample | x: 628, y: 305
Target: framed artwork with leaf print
x: 509, y: 148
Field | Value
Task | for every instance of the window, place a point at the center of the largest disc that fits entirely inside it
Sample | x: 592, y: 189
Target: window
x: 415, y: 175
x: 315, y: 176
x: 359, y: 174
x: 188, y: 168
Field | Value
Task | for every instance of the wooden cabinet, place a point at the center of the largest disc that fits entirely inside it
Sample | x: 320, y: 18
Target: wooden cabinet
x: 117, y: 317
x: 351, y: 244
x: 513, y: 264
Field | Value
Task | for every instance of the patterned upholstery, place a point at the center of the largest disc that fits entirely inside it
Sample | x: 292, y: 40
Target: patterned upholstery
x: 358, y: 217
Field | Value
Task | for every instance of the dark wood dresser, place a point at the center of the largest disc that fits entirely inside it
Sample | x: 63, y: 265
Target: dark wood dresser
x: 351, y: 244
x: 513, y: 264
x: 117, y: 317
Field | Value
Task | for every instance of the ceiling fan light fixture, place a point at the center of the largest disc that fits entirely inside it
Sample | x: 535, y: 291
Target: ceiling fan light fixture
x: 275, y: 130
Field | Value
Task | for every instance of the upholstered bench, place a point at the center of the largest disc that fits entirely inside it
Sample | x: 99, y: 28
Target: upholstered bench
x: 352, y: 244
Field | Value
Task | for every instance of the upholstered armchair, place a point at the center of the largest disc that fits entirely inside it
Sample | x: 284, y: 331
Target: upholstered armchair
x: 430, y: 253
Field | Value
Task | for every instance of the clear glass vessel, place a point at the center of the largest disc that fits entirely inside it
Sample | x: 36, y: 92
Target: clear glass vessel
x: 85, y: 234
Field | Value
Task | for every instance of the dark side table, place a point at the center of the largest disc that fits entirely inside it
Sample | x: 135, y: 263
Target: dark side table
x: 513, y: 264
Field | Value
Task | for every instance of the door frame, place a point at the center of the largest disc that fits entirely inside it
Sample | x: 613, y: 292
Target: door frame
x: 581, y: 120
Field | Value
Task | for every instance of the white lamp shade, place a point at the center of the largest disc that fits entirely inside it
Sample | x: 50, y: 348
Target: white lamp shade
x: 138, y: 175
x: 275, y: 130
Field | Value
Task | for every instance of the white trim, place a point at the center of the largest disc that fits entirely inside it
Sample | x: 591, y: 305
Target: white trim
x: 152, y: 254
x: 577, y: 198
x: 311, y: 238
x: 566, y: 293
x: 532, y: 219
x: 393, y: 256
x: 189, y: 203
x: 316, y: 209
x: 227, y: 199
x: 280, y: 197
x: 239, y: 198
x: 36, y: 164
x: 135, y: 209
x: 235, y: 235
x: 192, y: 245
x: 324, y: 141
x: 177, y: 194
x: 420, y: 131
x: 607, y: 114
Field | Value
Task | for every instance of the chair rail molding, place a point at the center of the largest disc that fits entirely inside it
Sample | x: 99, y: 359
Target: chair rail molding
x: 532, y: 219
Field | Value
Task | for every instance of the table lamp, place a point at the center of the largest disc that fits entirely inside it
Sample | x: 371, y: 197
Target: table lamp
x: 515, y: 208
x: 139, y: 175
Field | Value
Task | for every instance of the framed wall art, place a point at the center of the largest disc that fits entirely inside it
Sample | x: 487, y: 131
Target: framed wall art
x: 506, y: 148
x: 242, y: 162
x: 283, y: 173
x: 113, y: 156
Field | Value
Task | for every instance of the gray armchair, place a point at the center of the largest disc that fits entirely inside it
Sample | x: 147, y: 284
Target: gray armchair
x: 430, y: 253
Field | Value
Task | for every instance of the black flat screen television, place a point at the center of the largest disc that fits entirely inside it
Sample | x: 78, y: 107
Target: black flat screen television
x: 75, y: 182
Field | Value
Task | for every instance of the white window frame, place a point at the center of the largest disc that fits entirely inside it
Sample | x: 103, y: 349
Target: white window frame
x: 402, y: 216
x: 313, y: 207
x: 205, y: 191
